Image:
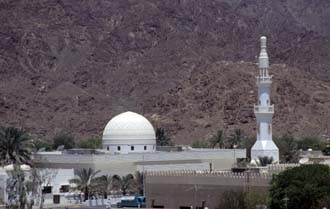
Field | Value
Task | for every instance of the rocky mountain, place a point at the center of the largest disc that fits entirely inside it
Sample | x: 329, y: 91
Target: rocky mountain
x: 69, y: 65
x: 222, y: 97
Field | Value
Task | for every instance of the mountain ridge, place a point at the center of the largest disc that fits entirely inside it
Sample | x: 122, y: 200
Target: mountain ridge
x: 71, y: 66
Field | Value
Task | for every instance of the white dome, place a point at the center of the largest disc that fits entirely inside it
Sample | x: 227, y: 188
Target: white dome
x: 129, y: 128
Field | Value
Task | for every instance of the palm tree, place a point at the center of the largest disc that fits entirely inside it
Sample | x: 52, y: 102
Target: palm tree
x: 236, y: 138
x: 139, y: 181
x: 162, y: 139
x: 288, y: 147
x: 128, y: 184
x: 102, y: 184
x: 264, y: 161
x: 218, y: 139
x: 13, y: 143
x: 116, y: 183
x: 85, y: 181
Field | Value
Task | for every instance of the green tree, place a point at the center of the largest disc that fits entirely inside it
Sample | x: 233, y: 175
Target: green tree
x: 264, y: 161
x: 162, y: 139
x: 38, y: 144
x: 200, y: 144
x: 139, y: 181
x: 64, y: 139
x: 326, y: 150
x: 102, y: 185
x: 13, y: 143
x: 300, y: 187
x: 91, y: 143
x: 247, y: 144
x: 288, y: 148
x: 85, y: 181
x: 218, y: 139
x: 116, y: 183
x: 313, y: 143
x: 236, y: 138
x: 128, y: 184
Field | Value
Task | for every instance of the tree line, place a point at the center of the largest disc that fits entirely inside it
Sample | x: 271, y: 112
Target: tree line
x: 90, y: 184
x: 289, y: 146
x: 236, y: 139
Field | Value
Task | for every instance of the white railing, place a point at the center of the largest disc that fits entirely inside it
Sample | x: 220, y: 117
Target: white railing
x: 264, y: 109
x: 264, y: 79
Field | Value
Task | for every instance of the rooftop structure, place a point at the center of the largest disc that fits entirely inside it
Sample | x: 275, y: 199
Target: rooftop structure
x: 129, y: 132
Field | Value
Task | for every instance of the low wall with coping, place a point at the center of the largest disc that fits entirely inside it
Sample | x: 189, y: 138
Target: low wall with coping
x: 185, y: 188
x: 125, y: 163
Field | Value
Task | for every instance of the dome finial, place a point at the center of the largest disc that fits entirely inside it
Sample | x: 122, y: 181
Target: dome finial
x: 263, y: 57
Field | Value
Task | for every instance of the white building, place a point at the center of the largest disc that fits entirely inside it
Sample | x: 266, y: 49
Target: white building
x: 129, y: 145
x: 264, y: 111
x: 129, y: 132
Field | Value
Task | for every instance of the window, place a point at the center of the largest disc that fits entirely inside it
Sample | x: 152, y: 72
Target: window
x: 259, y: 102
x: 267, y: 102
x: 108, y: 148
x: 64, y: 188
x: 47, y: 190
x: 258, y: 128
x: 132, y: 148
x: 153, y: 147
x: 145, y: 147
x: 118, y: 148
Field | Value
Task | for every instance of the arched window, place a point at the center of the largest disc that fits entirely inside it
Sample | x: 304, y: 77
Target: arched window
x: 108, y: 148
x: 145, y: 147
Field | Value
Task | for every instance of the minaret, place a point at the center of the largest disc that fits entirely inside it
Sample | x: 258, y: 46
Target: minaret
x: 264, y: 111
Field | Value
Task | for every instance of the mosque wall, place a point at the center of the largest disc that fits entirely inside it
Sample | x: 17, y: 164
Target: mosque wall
x: 175, y: 189
x: 122, y: 163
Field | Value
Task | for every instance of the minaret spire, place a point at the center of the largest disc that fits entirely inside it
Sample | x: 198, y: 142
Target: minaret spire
x: 263, y: 57
x: 264, y: 111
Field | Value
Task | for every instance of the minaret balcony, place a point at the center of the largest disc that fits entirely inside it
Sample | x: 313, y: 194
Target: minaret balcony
x: 264, y: 109
x: 264, y: 79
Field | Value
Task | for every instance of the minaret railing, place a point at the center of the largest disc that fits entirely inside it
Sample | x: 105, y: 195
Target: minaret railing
x: 264, y: 109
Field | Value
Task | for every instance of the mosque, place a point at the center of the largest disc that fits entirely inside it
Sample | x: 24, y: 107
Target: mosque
x: 129, y: 145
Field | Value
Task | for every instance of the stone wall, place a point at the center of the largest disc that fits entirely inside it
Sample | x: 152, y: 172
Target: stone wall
x: 174, y: 189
